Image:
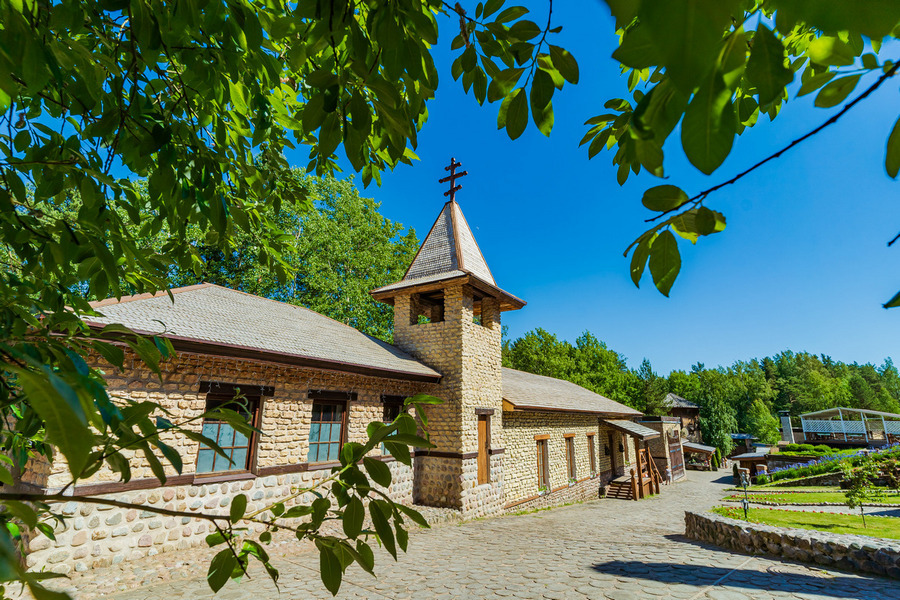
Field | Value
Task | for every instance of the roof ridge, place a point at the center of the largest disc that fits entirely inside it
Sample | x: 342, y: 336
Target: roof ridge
x: 148, y: 295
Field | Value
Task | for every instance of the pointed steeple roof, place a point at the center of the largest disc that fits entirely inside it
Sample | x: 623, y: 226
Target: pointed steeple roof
x: 450, y: 252
x: 449, y: 248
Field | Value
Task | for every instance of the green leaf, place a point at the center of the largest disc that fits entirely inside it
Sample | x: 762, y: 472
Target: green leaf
x: 686, y: 35
x: 827, y: 50
x: 892, y: 155
x: 872, y: 18
x: 378, y: 471
x: 665, y: 261
x: 383, y: 528
x: 565, y: 63
x: 765, y: 68
x: 707, y: 132
x: 664, y: 197
x: 639, y: 259
x: 329, y: 568
x: 58, y: 406
x: 893, y: 302
x: 238, y: 508
x: 413, y: 514
x: 492, y: 6
x: 815, y: 82
x: 220, y: 569
x: 510, y: 14
x: 352, y: 521
x: 637, y: 49
x: 517, y: 114
x: 837, y: 91
x: 5, y: 476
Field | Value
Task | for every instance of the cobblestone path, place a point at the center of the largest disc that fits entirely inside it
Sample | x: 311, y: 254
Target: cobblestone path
x: 610, y: 549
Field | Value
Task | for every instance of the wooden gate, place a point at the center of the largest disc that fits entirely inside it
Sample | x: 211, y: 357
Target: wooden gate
x: 676, y: 459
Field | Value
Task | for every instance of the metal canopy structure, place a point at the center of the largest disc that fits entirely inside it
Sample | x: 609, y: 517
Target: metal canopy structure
x: 846, y: 423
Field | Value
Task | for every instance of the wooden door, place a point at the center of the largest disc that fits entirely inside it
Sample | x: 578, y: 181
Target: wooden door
x: 484, y: 447
x: 676, y: 459
x: 613, y: 449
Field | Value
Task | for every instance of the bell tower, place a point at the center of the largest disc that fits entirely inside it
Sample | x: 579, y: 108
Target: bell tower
x: 447, y: 313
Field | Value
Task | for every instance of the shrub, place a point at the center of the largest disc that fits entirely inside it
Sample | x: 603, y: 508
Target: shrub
x: 805, y: 448
x: 762, y: 479
x: 792, y: 448
x: 822, y: 449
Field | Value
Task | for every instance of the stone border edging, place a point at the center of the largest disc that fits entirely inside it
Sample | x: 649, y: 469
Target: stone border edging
x: 844, y: 551
x: 771, y: 503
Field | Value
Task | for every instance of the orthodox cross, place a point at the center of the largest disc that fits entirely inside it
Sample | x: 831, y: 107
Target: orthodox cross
x: 452, y: 177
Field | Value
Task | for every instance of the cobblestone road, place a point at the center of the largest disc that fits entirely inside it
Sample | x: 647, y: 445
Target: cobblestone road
x: 610, y: 549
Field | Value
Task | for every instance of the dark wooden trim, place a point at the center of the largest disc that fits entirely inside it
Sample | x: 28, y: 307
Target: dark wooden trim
x: 569, y: 435
x: 283, y: 469
x: 523, y: 501
x: 222, y: 476
x: 332, y: 395
x: 194, y: 346
x: 115, y: 487
x: 459, y: 255
x: 323, y: 465
x: 562, y: 487
x: 439, y: 454
x: 230, y: 389
x: 494, y: 451
x: 543, y: 436
x: 591, y: 433
x: 484, y: 411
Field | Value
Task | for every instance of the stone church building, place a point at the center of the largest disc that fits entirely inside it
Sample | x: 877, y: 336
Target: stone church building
x: 504, y: 439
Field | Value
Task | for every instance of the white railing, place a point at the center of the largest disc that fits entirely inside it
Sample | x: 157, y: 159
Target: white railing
x: 850, y: 427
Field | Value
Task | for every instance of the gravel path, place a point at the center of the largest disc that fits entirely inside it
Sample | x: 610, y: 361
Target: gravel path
x: 608, y: 549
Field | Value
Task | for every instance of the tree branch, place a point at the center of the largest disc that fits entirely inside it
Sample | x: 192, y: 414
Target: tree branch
x: 696, y: 200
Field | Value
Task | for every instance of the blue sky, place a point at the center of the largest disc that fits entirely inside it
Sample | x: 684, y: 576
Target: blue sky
x: 802, y: 265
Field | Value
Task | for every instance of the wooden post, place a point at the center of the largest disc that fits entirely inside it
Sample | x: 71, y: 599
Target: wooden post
x: 655, y: 471
x: 640, y: 470
x: 634, y: 490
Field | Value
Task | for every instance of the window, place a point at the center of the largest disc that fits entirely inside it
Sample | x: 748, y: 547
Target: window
x: 592, y: 451
x: 237, y: 446
x: 570, y: 456
x: 543, y: 468
x: 392, y: 406
x: 426, y: 308
x: 326, y: 431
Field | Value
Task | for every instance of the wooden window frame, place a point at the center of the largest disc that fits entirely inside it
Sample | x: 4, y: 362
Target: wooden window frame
x: 592, y: 452
x: 222, y: 395
x: 543, y: 468
x: 343, y: 399
x: 571, y: 467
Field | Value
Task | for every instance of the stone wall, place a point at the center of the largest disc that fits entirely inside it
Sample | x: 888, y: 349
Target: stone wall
x: 97, y: 536
x: 467, y: 354
x: 851, y: 552
x: 584, y: 490
x: 520, y: 474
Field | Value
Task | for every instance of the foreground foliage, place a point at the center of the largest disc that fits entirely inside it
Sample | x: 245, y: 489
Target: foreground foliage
x: 717, y: 68
x: 124, y: 119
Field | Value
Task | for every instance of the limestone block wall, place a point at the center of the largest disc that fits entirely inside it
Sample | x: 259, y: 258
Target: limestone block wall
x: 97, y: 536
x: 520, y: 473
x: 467, y: 353
x: 285, y: 417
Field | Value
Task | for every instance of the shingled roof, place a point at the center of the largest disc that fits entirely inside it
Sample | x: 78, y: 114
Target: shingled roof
x: 527, y: 391
x: 216, y: 320
x: 674, y: 401
x: 450, y: 252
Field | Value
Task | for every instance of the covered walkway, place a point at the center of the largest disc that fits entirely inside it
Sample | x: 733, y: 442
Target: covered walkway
x: 843, y: 424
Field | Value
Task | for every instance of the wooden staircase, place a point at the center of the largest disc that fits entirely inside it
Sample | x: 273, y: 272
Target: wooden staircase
x: 634, y: 487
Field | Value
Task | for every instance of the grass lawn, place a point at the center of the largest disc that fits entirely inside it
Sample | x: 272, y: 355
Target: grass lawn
x: 814, y: 497
x: 883, y: 527
x: 769, y: 489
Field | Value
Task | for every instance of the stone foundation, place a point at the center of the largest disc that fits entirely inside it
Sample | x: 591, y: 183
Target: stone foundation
x: 98, y: 536
x: 587, y: 489
x: 850, y: 552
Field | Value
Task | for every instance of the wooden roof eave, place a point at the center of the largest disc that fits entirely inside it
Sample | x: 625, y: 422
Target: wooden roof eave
x: 510, y: 407
x: 507, y: 300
